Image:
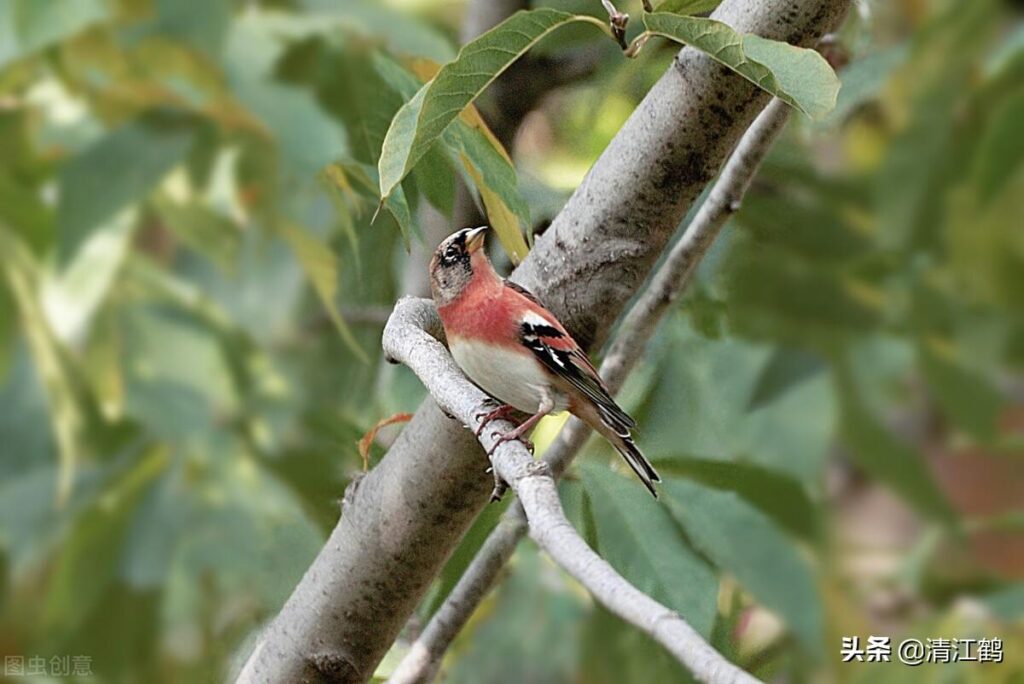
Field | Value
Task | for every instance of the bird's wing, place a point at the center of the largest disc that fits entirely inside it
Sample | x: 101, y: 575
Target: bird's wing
x: 542, y: 334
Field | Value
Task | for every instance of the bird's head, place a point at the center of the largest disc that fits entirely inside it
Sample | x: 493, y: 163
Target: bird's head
x: 455, y: 261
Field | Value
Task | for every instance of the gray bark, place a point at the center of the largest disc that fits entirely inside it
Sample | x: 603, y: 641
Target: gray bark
x: 410, y: 337
x: 420, y: 665
x: 402, y: 521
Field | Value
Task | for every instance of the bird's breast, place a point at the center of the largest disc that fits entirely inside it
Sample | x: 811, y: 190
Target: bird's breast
x: 508, y: 375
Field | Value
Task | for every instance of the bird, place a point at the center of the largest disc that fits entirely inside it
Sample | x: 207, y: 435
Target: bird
x: 515, y: 350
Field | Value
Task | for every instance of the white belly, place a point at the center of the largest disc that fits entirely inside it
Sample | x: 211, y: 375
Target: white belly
x: 513, y: 378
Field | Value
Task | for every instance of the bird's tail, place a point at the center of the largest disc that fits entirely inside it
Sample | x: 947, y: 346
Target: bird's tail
x: 637, y: 461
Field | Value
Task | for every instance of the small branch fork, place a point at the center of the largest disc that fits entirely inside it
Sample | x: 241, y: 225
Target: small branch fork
x: 618, y: 21
x: 411, y: 337
x: 422, y: 662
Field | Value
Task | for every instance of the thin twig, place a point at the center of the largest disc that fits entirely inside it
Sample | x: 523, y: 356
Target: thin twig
x: 618, y: 21
x: 408, y: 339
x: 671, y: 279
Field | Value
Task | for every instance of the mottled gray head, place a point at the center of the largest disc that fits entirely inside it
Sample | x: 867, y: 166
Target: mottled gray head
x: 453, y: 263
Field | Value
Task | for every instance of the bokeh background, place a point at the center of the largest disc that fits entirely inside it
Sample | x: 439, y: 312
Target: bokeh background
x: 192, y: 296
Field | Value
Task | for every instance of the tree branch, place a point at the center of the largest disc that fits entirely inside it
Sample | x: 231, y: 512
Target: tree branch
x: 422, y: 662
x: 406, y: 339
x: 404, y: 518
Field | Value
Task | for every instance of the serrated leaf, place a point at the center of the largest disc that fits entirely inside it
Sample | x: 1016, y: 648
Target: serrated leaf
x: 798, y: 76
x: 638, y: 537
x: 117, y: 170
x: 425, y: 117
x: 321, y: 267
x: 742, y: 541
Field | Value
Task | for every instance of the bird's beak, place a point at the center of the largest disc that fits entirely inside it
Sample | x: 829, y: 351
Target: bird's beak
x: 475, y: 238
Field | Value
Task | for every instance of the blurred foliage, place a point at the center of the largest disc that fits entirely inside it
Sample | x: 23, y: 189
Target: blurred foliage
x: 191, y: 292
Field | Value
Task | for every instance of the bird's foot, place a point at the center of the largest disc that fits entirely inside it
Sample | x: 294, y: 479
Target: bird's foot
x: 486, y: 417
x: 509, y: 436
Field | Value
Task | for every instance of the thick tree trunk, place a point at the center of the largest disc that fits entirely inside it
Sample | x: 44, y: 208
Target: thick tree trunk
x: 401, y: 522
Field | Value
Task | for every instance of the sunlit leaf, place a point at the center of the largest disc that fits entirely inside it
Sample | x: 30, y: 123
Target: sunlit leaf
x: 422, y: 119
x: 487, y: 164
x: 796, y: 75
x: 70, y: 295
x: 69, y: 409
x: 321, y: 267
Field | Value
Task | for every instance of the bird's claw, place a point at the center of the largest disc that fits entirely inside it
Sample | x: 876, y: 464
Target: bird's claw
x: 502, y: 437
x: 486, y: 417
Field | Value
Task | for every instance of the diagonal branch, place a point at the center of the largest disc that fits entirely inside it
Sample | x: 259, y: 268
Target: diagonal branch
x: 402, y: 521
x: 670, y: 280
x: 407, y: 340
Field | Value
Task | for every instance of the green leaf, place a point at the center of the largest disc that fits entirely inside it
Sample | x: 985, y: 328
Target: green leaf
x: 321, y: 267
x: 89, y: 560
x: 403, y: 34
x: 487, y: 165
x: 435, y: 179
x: 795, y: 75
x: 111, y: 174
x: 863, y: 81
x: 353, y: 84
x: 201, y: 24
x: 741, y: 540
x: 687, y: 6
x: 1007, y: 603
x: 71, y: 295
x: 786, y: 368
x: 365, y: 176
x: 425, y: 117
x: 494, y: 176
x: 1001, y: 150
x: 887, y: 458
x: 779, y: 496
x: 70, y: 407
x: 29, y: 25
x: 965, y: 396
x: 638, y: 537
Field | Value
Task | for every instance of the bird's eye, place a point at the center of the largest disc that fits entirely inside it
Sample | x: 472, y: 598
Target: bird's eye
x: 451, y: 253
